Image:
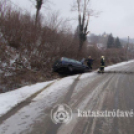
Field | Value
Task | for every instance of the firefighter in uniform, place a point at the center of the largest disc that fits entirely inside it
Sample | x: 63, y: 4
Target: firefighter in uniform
x: 102, y: 64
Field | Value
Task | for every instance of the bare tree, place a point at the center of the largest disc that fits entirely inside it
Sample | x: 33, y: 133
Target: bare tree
x: 83, y: 20
x: 38, y: 5
x: 38, y: 8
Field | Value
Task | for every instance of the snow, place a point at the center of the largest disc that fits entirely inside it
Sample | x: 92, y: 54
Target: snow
x: 23, y: 120
x: 35, y: 111
x: 56, y: 90
x: 92, y: 74
x: 11, y: 99
x: 119, y: 64
x: 87, y: 75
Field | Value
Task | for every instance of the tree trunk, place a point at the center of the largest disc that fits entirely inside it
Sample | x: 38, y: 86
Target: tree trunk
x: 81, y: 43
x: 37, y: 14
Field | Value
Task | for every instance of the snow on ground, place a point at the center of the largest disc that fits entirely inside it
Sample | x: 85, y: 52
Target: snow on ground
x: 11, y: 99
x: 119, y: 64
x: 25, y: 118
x: 88, y: 75
x: 57, y: 90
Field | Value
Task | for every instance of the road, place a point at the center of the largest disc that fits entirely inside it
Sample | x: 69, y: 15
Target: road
x: 108, y: 91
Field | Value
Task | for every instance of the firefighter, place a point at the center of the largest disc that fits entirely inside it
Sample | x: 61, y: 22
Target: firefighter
x: 102, y: 64
x: 90, y: 62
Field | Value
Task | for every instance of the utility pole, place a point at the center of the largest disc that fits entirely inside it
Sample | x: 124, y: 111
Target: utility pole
x: 127, y: 48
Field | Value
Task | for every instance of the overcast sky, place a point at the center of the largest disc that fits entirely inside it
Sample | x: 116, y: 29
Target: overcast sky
x: 117, y: 16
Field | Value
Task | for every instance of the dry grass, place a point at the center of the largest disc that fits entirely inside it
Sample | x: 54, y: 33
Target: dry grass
x: 27, y: 52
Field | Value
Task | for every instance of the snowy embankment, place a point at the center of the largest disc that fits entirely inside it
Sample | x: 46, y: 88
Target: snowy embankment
x: 10, y: 99
x: 119, y: 65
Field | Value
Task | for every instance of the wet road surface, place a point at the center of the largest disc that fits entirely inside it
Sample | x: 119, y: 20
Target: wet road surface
x: 108, y: 91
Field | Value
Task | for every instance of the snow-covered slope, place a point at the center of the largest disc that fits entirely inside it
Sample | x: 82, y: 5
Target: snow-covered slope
x: 10, y: 99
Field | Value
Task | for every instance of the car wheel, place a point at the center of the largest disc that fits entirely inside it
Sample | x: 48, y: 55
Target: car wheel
x: 70, y: 68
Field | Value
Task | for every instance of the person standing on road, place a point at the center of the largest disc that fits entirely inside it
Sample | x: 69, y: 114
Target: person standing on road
x: 102, y: 67
x: 90, y: 62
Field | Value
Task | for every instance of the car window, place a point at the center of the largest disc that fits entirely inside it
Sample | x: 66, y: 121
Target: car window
x: 71, y: 60
x: 78, y: 62
x: 65, y: 59
x: 74, y: 61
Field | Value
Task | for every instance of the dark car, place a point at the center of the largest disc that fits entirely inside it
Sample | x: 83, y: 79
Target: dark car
x: 71, y: 65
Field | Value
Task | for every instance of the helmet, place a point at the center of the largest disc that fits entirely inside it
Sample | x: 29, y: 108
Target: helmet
x: 89, y: 57
x: 102, y: 56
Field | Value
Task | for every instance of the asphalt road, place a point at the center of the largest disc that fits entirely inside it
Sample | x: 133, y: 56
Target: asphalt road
x: 98, y: 92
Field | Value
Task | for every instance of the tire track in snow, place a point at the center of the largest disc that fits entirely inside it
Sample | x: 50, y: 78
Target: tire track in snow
x: 75, y: 128
x: 53, y: 128
x: 93, y: 99
x: 71, y: 90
